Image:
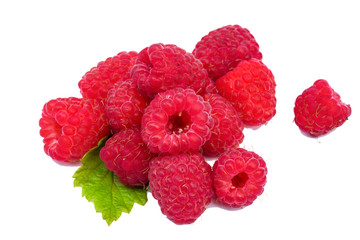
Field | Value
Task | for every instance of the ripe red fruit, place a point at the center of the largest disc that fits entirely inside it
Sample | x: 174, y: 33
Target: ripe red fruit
x: 128, y: 156
x: 96, y: 83
x: 71, y: 127
x: 239, y: 177
x: 319, y: 109
x: 182, y: 185
x: 176, y: 120
x: 162, y: 67
x: 222, y: 49
x: 124, y: 106
x: 228, y: 127
x: 250, y: 87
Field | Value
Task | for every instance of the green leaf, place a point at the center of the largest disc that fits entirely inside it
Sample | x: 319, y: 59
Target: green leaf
x: 102, y: 187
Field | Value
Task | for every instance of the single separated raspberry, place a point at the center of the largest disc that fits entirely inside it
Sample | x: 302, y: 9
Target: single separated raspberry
x: 222, y: 49
x: 177, y: 120
x: 228, y: 127
x: 161, y: 67
x: 182, y: 185
x: 319, y: 109
x: 250, y: 87
x: 96, y: 83
x: 124, y: 106
x: 71, y: 127
x: 128, y: 156
x: 239, y: 177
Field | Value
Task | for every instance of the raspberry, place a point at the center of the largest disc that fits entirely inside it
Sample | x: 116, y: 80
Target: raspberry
x: 250, y: 87
x: 176, y: 120
x: 96, y: 83
x: 319, y: 109
x: 222, y: 49
x: 162, y: 67
x: 128, y: 156
x: 71, y: 127
x: 182, y: 185
x: 227, y: 132
x: 124, y: 106
x: 239, y: 177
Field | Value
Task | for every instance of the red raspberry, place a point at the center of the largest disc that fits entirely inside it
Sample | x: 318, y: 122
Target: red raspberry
x: 222, y: 49
x: 177, y: 120
x: 250, y: 87
x: 71, y: 127
x: 128, y: 156
x: 227, y: 132
x: 182, y: 185
x: 319, y: 109
x: 124, y: 106
x: 239, y: 177
x: 97, y: 82
x: 162, y: 67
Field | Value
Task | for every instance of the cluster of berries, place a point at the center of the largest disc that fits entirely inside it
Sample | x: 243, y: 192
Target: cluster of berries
x: 165, y: 110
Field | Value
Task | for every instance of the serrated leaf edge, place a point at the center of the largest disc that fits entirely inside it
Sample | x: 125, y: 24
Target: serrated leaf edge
x: 128, y: 207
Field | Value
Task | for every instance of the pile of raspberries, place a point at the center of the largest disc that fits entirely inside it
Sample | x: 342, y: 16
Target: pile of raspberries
x: 166, y: 111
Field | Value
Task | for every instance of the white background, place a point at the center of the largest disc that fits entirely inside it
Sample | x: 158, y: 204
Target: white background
x: 313, y: 184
